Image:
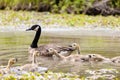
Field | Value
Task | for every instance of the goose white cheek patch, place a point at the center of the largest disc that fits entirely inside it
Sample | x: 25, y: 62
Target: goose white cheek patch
x: 36, y: 29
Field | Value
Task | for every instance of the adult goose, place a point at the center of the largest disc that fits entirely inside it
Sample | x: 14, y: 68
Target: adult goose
x: 43, y: 48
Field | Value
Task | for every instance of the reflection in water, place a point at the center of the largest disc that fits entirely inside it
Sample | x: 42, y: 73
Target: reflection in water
x: 15, y: 44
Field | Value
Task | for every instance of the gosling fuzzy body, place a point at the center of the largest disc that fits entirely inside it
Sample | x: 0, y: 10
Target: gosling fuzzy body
x: 33, y: 66
x: 7, y: 69
x: 116, y: 60
x: 73, y: 58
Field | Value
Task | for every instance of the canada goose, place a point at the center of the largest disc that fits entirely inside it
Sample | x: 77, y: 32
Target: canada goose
x: 97, y: 58
x: 7, y: 69
x: 74, y: 58
x: 116, y: 59
x: 43, y: 48
x: 31, y: 67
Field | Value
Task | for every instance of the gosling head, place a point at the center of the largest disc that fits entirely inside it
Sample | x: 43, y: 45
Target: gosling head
x: 90, y: 56
x: 12, y: 61
x: 51, y: 50
x: 95, y: 57
x: 75, y: 46
x: 34, y: 28
x: 36, y: 53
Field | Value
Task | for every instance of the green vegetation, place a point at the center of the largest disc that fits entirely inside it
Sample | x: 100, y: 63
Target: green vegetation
x: 25, y: 18
x: 115, y: 3
x: 56, y: 6
x: 53, y: 76
x: 46, y: 76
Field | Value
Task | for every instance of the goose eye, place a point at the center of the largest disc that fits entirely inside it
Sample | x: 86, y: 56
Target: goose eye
x: 47, y: 50
x: 113, y: 61
x: 89, y: 56
x: 74, y: 45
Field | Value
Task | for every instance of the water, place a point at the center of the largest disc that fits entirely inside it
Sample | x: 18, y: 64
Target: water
x: 15, y: 44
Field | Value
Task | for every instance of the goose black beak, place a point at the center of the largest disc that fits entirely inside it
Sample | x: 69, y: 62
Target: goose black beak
x: 89, y: 56
x: 69, y: 45
x: 16, y: 59
x: 28, y: 29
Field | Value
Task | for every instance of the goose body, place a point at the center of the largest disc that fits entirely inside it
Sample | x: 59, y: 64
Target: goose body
x: 43, y: 48
x: 7, y: 69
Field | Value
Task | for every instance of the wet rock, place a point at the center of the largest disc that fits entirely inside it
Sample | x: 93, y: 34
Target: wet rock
x: 102, y: 7
x: 43, y: 7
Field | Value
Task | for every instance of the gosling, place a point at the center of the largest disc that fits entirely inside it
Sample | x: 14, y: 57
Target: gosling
x: 73, y: 58
x: 31, y: 67
x: 116, y: 60
x: 97, y: 58
x: 7, y: 69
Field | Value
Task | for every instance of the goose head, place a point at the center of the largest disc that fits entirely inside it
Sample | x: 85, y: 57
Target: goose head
x: 51, y: 50
x: 75, y: 46
x: 36, y: 53
x: 91, y: 55
x: 96, y: 57
x: 7, y: 69
x: 34, y: 28
x: 12, y: 61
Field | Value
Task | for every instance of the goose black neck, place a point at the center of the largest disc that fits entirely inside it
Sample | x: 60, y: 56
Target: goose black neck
x: 36, y: 38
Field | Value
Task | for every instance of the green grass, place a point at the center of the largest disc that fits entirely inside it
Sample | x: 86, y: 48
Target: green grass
x: 25, y: 18
x: 50, y: 76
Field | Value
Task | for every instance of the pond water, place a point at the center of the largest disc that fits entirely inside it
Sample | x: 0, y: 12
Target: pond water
x: 15, y: 44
